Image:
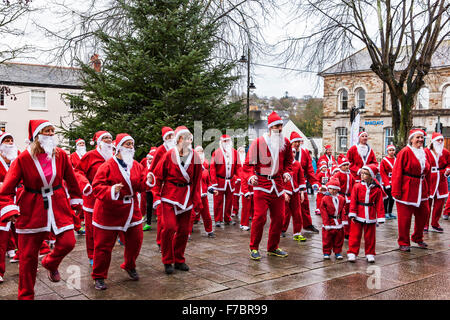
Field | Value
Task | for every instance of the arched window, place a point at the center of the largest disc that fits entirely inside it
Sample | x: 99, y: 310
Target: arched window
x: 423, y: 98
x: 343, y: 100
x: 446, y: 98
x: 360, y: 96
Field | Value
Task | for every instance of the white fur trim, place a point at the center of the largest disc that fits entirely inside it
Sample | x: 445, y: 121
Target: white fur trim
x: 8, y: 208
x: 88, y: 209
x: 126, y: 138
x: 74, y: 202
x: 114, y: 196
x: 40, y: 127
x: 179, y: 133
x: 274, y: 123
x: 87, y: 190
x: 167, y: 133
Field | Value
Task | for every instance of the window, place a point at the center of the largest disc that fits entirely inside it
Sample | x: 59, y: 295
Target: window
x: 2, y: 126
x: 360, y: 96
x: 38, y: 100
x: 446, y: 98
x: 2, y: 99
x: 388, y: 137
x: 341, y: 142
x: 343, y: 100
x: 423, y: 98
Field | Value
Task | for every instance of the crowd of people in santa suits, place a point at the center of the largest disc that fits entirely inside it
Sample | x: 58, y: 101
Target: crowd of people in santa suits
x: 46, y: 195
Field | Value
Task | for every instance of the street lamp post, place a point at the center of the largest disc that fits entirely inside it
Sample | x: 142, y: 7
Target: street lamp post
x: 250, y: 85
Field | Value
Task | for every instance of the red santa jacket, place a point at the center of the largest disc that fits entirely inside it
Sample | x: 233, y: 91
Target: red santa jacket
x: 246, y: 189
x: 224, y: 173
x: 269, y: 167
x: 88, y: 167
x: 438, y: 180
x: 75, y: 159
x: 331, y: 161
x: 118, y: 211
x: 409, y: 182
x: 177, y: 184
x: 386, y: 166
x: 346, y: 181
x: 144, y: 163
x: 322, y: 179
x: 308, y: 169
x: 298, y: 181
x: 333, y: 212
x: 366, y: 204
x: 357, y: 162
x: 206, y: 181
x: 159, y: 153
x: 4, y: 226
x: 38, y: 193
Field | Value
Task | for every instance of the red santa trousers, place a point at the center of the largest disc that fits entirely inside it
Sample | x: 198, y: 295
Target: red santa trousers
x: 29, y: 245
x: 104, y: 241
x: 347, y: 226
x: 306, y: 215
x: 12, y: 241
x: 247, y: 210
x: 174, y: 234
x: 89, y: 234
x: 319, y: 198
x: 205, y: 214
x: 437, y: 211
x: 159, y: 224
x: 236, y: 200
x: 354, y: 241
x: 447, y: 207
x: 332, y: 240
x: 4, y: 239
x: 293, y: 208
x: 263, y: 201
x: 221, y: 214
x: 404, y: 215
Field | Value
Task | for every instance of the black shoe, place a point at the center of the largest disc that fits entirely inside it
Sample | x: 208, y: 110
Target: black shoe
x: 312, y: 229
x: 346, y: 237
x: 168, y: 268
x: 100, y: 284
x: 283, y: 234
x: 181, y: 266
x: 422, y: 245
x: 405, y: 248
x: 133, y: 274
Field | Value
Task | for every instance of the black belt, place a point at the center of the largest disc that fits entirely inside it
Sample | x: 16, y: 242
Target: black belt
x: 223, y: 177
x: 344, y: 194
x: 365, y: 204
x: 267, y: 177
x: 43, y: 192
x: 414, y: 176
x: 333, y: 217
x: 180, y: 184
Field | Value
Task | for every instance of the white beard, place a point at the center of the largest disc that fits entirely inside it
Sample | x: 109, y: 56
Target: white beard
x: 106, y: 150
x: 127, y: 155
x: 420, y: 155
x: 362, y: 150
x: 170, y: 144
x: 438, y: 147
x: 202, y: 158
x: 81, y: 151
x: 47, y: 143
x: 277, y: 142
x: 227, y: 147
x: 242, y: 157
x: 9, y: 151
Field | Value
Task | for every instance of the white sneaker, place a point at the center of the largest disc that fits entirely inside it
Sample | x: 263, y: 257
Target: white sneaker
x: 370, y: 258
x: 1, y: 279
x: 351, y: 257
x: 245, y: 228
x: 11, y: 253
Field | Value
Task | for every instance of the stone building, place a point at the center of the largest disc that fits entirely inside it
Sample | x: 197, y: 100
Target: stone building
x: 351, y: 83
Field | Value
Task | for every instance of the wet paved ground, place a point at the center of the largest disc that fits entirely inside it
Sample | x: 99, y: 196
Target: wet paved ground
x: 221, y: 269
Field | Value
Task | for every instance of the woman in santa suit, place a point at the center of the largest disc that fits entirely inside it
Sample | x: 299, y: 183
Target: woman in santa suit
x: 178, y: 191
x: 116, y: 186
x: 410, y: 189
x: 360, y: 155
x: 439, y: 159
x: 43, y: 206
x: 386, y: 166
x: 80, y: 151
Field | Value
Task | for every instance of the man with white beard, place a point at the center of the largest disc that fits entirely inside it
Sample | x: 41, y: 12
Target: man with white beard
x: 88, y: 167
x: 80, y: 151
x: 360, y: 155
x: 223, y: 170
x: 439, y: 158
x: 267, y: 166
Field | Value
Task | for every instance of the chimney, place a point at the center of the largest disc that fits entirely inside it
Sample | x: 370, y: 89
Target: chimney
x: 96, y: 63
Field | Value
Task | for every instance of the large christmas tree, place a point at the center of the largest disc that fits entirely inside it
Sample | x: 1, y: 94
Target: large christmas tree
x: 162, y: 74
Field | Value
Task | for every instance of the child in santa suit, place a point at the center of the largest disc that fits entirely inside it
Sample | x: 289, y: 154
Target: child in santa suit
x: 366, y: 210
x: 116, y: 185
x: 333, y: 215
x: 386, y: 166
x: 247, y: 203
x: 146, y: 198
x: 294, y: 195
x: 43, y: 207
x: 237, y: 183
x: 322, y: 176
x: 359, y: 155
x: 346, y: 182
x: 80, y: 151
x: 439, y: 159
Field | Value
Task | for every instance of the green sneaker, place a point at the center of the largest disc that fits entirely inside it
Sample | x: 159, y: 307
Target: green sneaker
x: 147, y: 227
x: 299, y: 237
x: 277, y: 252
x: 254, y: 255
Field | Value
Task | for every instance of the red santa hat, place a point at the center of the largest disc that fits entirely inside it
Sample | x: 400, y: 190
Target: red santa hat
x: 35, y: 126
x: 295, y: 137
x: 342, y: 161
x: 151, y: 153
x: 323, y: 164
x: 179, y: 131
x: 334, y: 184
x: 414, y: 132
x: 121, y: 138
x: 436, y: 136
x: 391, y: 146
x: 359, y: 134
x: 198, y: 148
x: 225, y: 137
x: 273, y: 120
x: 78, y: 141
x: 372, y: 168
x: 327, y: 147
x: 98, y: 136
x: 165, y: 131
x: 334, y: 168
x: 4, y: 135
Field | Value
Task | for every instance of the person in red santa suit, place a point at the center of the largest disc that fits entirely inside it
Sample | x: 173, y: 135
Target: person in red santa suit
x: 178, y: 191
x: 268, y: 165
x: 43, y: 207
x: 169, y: 143
x: 360, y: 155
x: 237, y: 184
x: 75, y: 157
x: 446, y: 210
x: 116, y: 185
x: 247, y: 197
x: 386, y: 166
x: 223, y: 171
x: 332, y: 209
x: 88, y: 167
x: 322, y: 176
x: 294, y: 195
x: 206, y: 183
x: 410, y: 189
x: 302, y: 155
x: 328, y: 158
x: 439, y: 159
x: 345, y: 178
x: 146, y: 198
x: 366, y: 211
